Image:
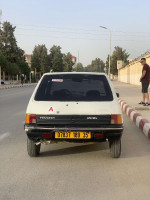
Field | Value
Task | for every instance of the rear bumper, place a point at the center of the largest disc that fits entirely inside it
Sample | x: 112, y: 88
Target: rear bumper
x: 28, y: 128
x: 36, y: 132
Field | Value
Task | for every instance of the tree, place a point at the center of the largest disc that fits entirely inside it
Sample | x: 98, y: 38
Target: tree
x: 56, y: 59
x: 44, y: 60
x: 118, y: 54
x: 8, y: 44
x: 88, y: 68
x: 12, y: 69
x: 79, y: 68
x: 67, y: 62
x: 11, y: 56
x: 3, y: 62
x: 23, y: 67
x: 107, y: 65
x: 35, y: 60
x: 39, y: 59
x: 96, y: 65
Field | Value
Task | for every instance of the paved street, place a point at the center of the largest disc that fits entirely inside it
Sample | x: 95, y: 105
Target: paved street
x: 68, y: 171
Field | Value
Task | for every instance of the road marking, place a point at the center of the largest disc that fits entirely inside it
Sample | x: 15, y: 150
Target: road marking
x: 4, y: 135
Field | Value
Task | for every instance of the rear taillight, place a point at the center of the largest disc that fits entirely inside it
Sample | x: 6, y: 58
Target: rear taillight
x: 30, y: 119
x: 116, y: 119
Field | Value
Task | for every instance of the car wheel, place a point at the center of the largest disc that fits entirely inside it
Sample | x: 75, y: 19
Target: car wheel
x: 33, y: 149
x: 115, y: 148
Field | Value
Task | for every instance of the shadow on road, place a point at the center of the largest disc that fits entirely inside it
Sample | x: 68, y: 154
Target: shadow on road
x: 76, y: 149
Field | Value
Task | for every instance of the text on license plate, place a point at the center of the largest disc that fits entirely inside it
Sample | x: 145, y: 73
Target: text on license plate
x: 73, y: 134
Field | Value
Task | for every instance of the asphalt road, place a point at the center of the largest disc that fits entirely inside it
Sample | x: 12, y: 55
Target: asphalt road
x: 68, y: 171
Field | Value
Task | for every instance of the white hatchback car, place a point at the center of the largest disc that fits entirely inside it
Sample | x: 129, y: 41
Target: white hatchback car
x: 74, y: 107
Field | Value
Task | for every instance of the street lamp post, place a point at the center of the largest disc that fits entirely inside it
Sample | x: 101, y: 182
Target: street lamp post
x: 110, y: 48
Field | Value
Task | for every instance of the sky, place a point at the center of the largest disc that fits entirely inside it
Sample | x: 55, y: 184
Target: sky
x: 74, y: 25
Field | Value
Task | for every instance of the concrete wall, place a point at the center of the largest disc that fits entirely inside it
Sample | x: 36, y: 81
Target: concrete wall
x: 131, y: 73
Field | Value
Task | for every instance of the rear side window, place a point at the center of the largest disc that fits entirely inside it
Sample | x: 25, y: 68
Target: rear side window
x: 74, y: 87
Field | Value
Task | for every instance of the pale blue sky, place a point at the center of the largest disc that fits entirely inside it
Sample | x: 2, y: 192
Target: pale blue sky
x: 74, y: 25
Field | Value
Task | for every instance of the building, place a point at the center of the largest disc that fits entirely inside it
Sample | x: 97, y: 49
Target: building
x: 28, y: 59
x: 74, y: 59
x: 132, y: 72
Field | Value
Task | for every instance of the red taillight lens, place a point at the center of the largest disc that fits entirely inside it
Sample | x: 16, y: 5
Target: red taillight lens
x: 47, y: 135
x: 98, y: 135
x: 116, y: 119
x: 30, y: 119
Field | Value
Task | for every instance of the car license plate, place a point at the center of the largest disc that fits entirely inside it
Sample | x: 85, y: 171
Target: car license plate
x: 72, y: 135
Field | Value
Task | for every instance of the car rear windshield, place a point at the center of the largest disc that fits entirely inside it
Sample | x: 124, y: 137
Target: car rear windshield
x: 74, y: 87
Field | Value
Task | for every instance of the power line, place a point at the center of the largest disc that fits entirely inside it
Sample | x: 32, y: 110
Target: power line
x: 75, y: 38
x: 114, y: 35
x: 60, y: 31
x: 53, y: 27
x: 78, y: 29
x: 80, y: 33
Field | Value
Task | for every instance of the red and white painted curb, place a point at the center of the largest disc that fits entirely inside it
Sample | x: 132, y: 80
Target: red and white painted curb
x: 140, y: 122
x: 16, y: 86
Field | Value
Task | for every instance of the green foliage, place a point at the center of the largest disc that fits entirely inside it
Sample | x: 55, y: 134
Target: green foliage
x: 107, y: 65
x: 12, y: 68
x: 8, y: 44
x: 96, y: 65
x: 56, y: 59
x: 35, y: 60
x: 67, y: 62
x: 11, y: 56
x: 44, y: 60
x: 79, y: 68
x: 39, y: 59
x: 3, y: 62
x: 23, y: 67
x: 118, y: 54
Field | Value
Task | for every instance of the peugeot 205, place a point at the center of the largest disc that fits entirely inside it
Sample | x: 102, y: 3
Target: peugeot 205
x: 73, y: 107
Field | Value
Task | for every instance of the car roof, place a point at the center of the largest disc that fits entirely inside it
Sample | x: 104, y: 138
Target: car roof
x: 89, y: 73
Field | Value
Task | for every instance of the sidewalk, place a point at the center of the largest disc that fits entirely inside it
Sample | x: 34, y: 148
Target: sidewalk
x: 9, y: 86
x: 130, y: 96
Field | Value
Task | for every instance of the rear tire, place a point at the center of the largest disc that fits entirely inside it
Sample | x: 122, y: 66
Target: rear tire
x: 33, y: 149
x: 115, y: 148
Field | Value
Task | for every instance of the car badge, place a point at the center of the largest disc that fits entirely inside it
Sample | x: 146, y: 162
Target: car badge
x: 51, y: 109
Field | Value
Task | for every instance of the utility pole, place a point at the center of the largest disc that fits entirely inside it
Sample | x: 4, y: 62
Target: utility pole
x: 110, y: 48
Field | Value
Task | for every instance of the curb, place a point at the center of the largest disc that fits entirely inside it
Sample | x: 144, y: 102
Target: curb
x: 16, y: 86
x: 140, y: 122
